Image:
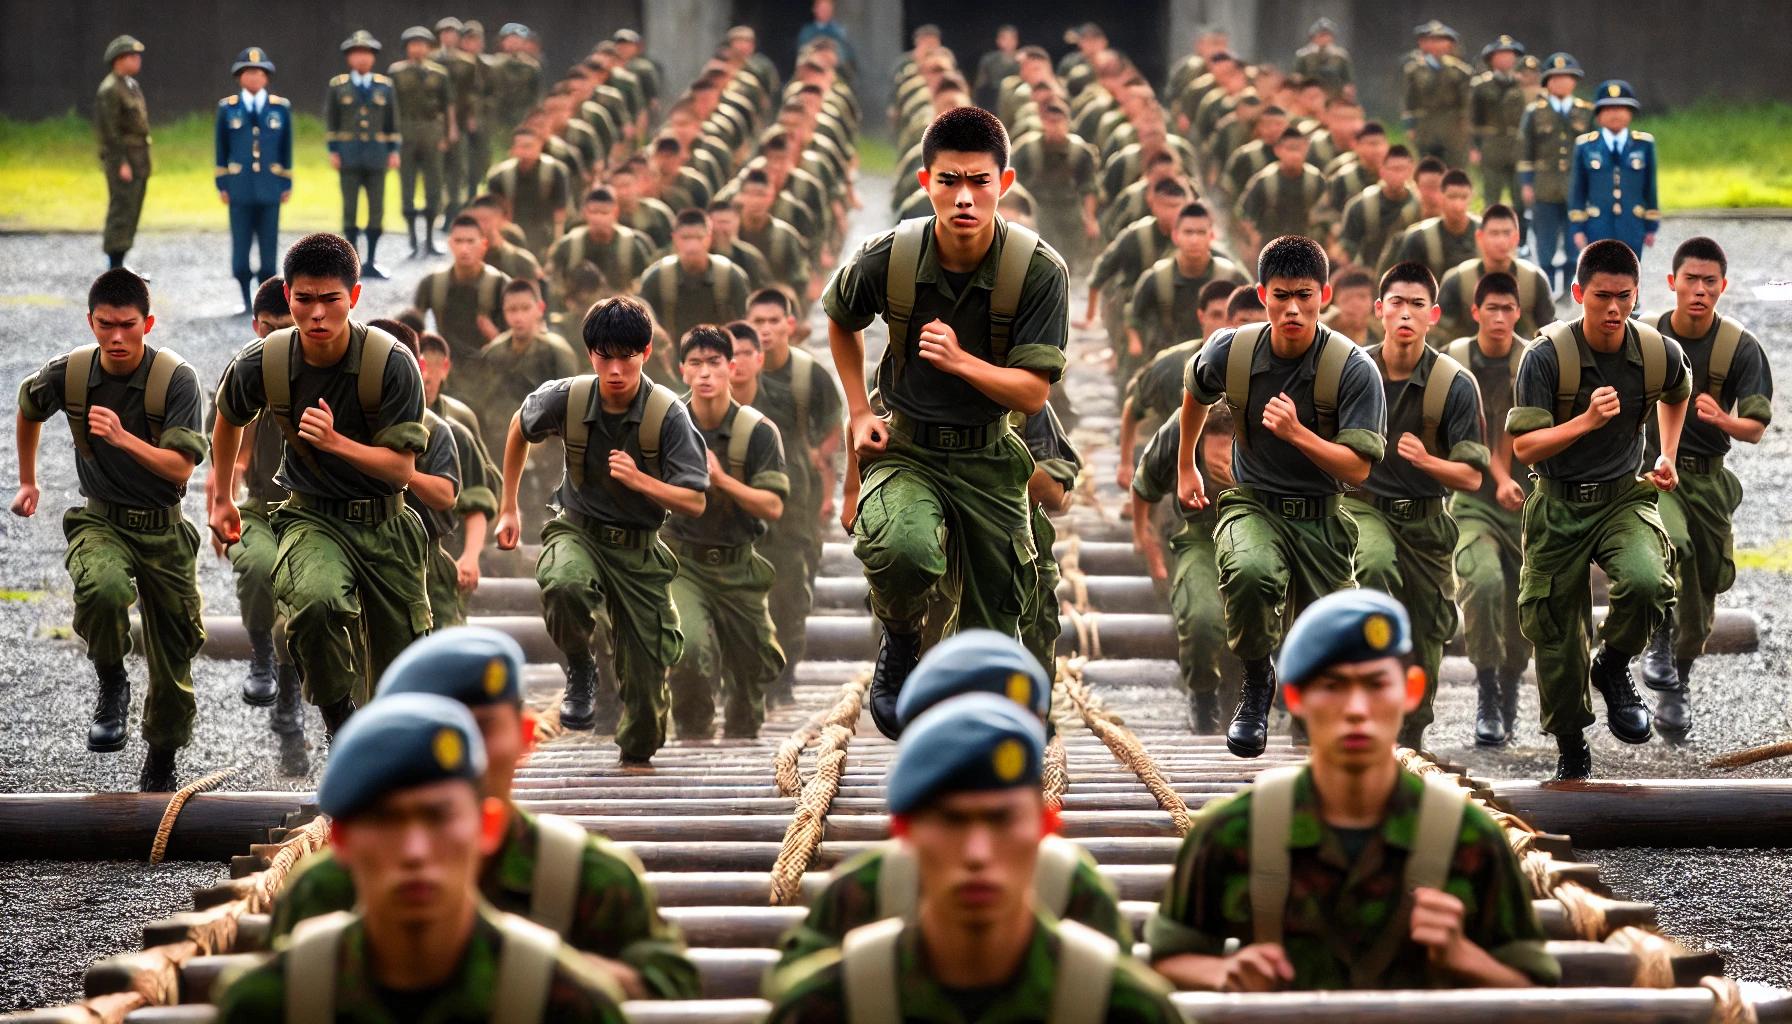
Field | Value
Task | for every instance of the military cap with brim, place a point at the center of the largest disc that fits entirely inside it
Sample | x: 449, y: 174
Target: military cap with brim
x: 629, y: 35
x: 1561, y: 64
x: 361, y: 40
x: 975, y: 661
x: 1531, y: 62
x: 121, y: 46
x: 971, y: 743
x: 1344, y: 628
x: 397, y: 743
x: 514, y: 28
x: 417, y: 32
x: 1615, y: 92
x: 1435, y: 28
x: 1502, y: 43
x: 472, y: 27
x: 475, y: 665
x: 737, y: 32
x: 253, y: 57
x: 1322, y: 25
x: 449, y: 24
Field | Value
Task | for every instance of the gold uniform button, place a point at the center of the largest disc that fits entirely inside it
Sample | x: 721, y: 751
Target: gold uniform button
x: 1617, y: 207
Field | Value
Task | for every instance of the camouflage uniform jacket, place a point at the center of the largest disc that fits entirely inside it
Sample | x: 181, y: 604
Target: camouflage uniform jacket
x: 850, y: 900
x: 1337, y: 909
x: 813, y: 990
x: 577, y: 994
x: 616, y: 916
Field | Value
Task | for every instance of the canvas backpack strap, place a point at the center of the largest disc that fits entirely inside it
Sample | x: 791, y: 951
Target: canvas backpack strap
x: 74, y: 395
x: 1434, y: 838
x: 1372, y: 208
x: 659, y: 401
x: 721, y: 282
x: 488, y: 287
x: 802, y: 387
x: 370, y: 380
x: 898, y: 882
x: 1723, y: 354
x: 1527, y: 286
x: 1058, y: 858
x: 1327, y: 380
x: 1272, y: 820
x: 1654, y: 349
x: 1436, y: 398
x: 577, y: 433
x: 1086, y: 960
x: 155, y: 390
x: 669, y: 292
x: 1467, y: 280
x: 438, y: 295
x: 276, y: 384
x: 1567, y: 348
x: 1163, y: 279
x: 311, y: 968
x: 1238, y: 376
x: 1004, y: 299
x: 740, y: 439
x: 869, y: 963
x: 554, y: 885
x: 525, y: 971
x: 899, y: 285
x: 1459, y: 350
x: 1433, y: 236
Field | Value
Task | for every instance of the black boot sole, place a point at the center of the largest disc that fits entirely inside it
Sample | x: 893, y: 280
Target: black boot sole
x: 577, y: 724
x: 260, y: 702
x: 106, y: 748
x: 1240, y: 750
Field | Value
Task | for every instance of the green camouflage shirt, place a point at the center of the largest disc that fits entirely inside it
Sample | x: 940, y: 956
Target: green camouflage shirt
x: 616, y: 916
x: 577, y: 994
x: 1337, y: 909
x: 813, y: 991
x: 850, y: 900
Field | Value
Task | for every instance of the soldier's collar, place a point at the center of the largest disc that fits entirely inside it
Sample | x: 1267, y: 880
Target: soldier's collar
x: 637, y: 406
x: 1633, y: 349
x: 930, y: 271
x: 1263, y: 359
x: 1421, y: 373
x: 139, y: 378
x: 1399, y: 821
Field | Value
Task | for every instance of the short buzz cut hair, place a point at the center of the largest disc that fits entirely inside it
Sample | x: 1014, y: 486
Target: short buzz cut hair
x: 966, y: 130
x: 691, y: 217
x: 1214, y: 291
x: 1409, y: 271
x: 1371, y: 128
x: 1431, y: 165
x: 270, y: 298
x: 1192, y: 208
x: 1291, y: 134
x: 1293, y: 258
x: 1353, y: 278
x: 1700, y: 247
x: 600, y: 194
x: 707, y: 337
x: 618, y: 327
x: 120, y: 289
x: 1244, y: 299
x: 1607, y: 256
x: 743, y: 331
x: 1498, y: 211
x: 1397, y: 151
x: 1170, y: 188
x: 1495, y: 282
x: 430, y: 341
x: 522, y: 286
x: 465, y: 220
x: 325, y: 255
x: 402, y: 331
x: 771, y: 297
x: 492, y: 201
x: 1456, y: 177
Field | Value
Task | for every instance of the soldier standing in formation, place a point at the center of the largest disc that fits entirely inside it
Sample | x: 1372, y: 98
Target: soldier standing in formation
x: 692, y: 285
x: 361, y: 118
x: 253, y: 166
x: 1435, y: 96
x: 1496, y: 110
x: 514, y: 80
x: 1322, y: 60
x: 465, y: 78
x: 1497, y: 241
x: 1546, y: 150
x: 121, y: 122
x: 426, y: 123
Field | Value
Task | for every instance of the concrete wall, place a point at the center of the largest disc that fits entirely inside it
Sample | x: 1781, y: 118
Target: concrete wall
x: 681, y: 35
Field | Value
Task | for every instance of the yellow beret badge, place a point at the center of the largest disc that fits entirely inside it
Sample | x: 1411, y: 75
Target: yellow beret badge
x: 449, y: 749
x: 1378, y: 631
x: 494, y: 677
x: 1009, y: 760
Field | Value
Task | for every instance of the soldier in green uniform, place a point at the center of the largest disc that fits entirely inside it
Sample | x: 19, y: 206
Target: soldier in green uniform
x: 1325, y: 62
x: 1488, y: 550
x: 1243, y: 161
x: 1056, y: 465
x: 493, y: 214
x: 1435, y: 96
x: 425, y: 96
x: 1443, y: 241
x: 477, y: 130
x: 413, y: 837
x: 1308, y: 418
x: 1585, y: 390
x: 1130, y: 254
x: 979, y: 944
x: 515, y: 80
x: 1497, y: 239
x: 537, y: 185
x: 692, y: 285
x: 361, y: 122
x: 1155, y: 393
x: 351, y: 557
x: 121, y: 124
x: 453, y: 578
x: 1380, y: 212
x: 463, y: 81
x: 508, y: 369
x: 433, y: 494
x: 1734, y: 384
x: 1165, y: 307
x: 978, y: 332
x: 1379, y: 879
x: 621, y: 252
x: 1406, y: 540
x: 137, y: 415
x: 795, y: 391
x: 720, y: 590
x: 467, y: 298
x: 1061, y: 170
x: 786, y: 252
x: 1279, y: 200
x: 603, y: 557
x: 1496, y: 111
x: 1546, y: 146
x: 1352, y: 312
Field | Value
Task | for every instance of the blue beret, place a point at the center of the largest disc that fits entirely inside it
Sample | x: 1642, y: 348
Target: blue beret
x: 1615, y: 93
x: 975, y: 661
x: 1343, y: 628
x: 473, y: 664
x: 969, y: 743
x: 399, y: 742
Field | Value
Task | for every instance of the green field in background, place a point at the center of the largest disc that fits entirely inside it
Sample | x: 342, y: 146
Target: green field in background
x: 1712, y: 155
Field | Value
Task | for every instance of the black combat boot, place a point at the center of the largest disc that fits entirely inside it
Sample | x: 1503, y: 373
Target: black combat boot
x: 1249, y: 733
x: 578, y: 708
x: 1658, y: 659
x: 1204, y: 712
x: 1574, y: 759
x: 410, y: 230
x: 1510, y: 680
x: 896, y: 657
x: 158, y: 772
x: 248, y: 301
x: 1673, y: 716
x: 432, y: 247
x: 609, y: 700
x: 371, y: 267
x: 1625, y: 713
x: 1490, y: 720
x: 110, y: 711
x: 288, y: 718
x: 258, y: 687
x: 334, y: 715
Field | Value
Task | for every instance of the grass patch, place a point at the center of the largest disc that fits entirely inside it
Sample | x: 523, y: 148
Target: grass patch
x: 1776, y: 557
x: 20, y: 595
x: 1717, y: 154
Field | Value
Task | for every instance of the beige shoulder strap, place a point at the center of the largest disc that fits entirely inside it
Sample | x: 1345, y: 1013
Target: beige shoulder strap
x: 1086, y: 960
x: 1163, y: 279
x: 669, y: 294
x: 276, y: 384
x: 525, y: 971
x: 376, y: 348
x: 659, y: 401
x: 554, y: 887
x: 1467, y: 282
x: 1654, y: 350
x: 626, y: 245
x: 1327, y: 379
x: 1434, y: 837
x: 1527, y: 287
x: 721, y: 283
x: 74, y: 395
x: 311, y: 968
x: 802, y: 387
x: 577, y: 433
x: 1058, y: 858
x: 507, y: 180
x: 1459, y: 350
x: 898, y: 881
x: 1372, y: 209
x: 1436, y: 398
x: 155, y: 391
x: 740, y: 439
x: 868, y: 962
x: 438, y: 295
x: 1238, y: 376
x: 488, y: 287
x: 1723, y: 353
x: 1433, y: 237
x: 1272, y: 819
x: 1561, y: 336
x: 899, y: 285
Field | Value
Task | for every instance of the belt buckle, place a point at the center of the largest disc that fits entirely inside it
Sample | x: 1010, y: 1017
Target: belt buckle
x: 1294, y: 508
x: 613, y: 535
x: 949, y: 437
x: 1402, y: 508
x: 1691, y: 463
x: 1585, y: 492
x: 713, y: 556
x: 136, y: 518
x: 360, y: 510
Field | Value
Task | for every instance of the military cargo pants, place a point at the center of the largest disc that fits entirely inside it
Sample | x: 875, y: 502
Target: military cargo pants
x: 628, y: 589
x: 1040, y: 626
x: 454, y: 178
x: 793, y: 547
x: 1697, y: 517
x: 447, y: 605
x: 479, y: 159
x: 1488, y: 557
x: 729, y: 644
x: 1272, y: 567
x: 1413, y: 561
x: 124, y: 202
x: 1561, y: 539
x: 1205, y: 662
x: 353, y: 594
x: 929, y: 516
x: 113, y: 567
x: 1550, y: 226
x: 420, y: 153
x: 1501, y: 179
x: 252, y: 559
x: 354, y: 180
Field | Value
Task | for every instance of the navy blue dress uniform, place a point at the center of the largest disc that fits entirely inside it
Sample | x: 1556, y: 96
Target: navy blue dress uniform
x: 254, y: 170
x: 1611, y: 189
x: 361, y: 125
x: 975, y: 661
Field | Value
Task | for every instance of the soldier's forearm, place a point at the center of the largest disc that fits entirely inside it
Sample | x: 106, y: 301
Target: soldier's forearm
x: 1672, y: 419
x: 435, y: 491
x: 27, y: 433
x: 516, y: 457
x: 227, y: 440
x: 848, y: 349
x: 1337, y: 460
x: 1011, y: 387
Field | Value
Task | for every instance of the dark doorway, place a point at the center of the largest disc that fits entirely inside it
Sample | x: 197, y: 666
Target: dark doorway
x: 777, y: 22
x: 1136, y: 29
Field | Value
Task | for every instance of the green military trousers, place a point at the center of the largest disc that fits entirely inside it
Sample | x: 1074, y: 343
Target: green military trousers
x: 927, y: 517
x: 353, y: 595
x: 124, y: 201
x: 1200, y: 614
x: 1697, y: 517
x: 252, y: 559
x: 114, y: 567
x: 1489, y: 554
x: 1413, y: 561
x: 1271, y: 567
x: 1561, y: 539
x: 729, y: 644
x: 420, y: 153
x: 584, y: 581
x: 1040, y: 625
x: 447, y: 605
x: 793, y: 547
x: 454, y: 178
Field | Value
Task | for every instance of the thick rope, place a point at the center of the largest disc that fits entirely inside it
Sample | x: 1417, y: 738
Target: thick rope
x: 1121, y: 742
x: 299, y: 843
x: 1070, y: 569
x: 1654, y: 956
x: 1055, y: 773
x: 1753, y: 755
x: 1088, y: 632
x: 547, y: 722
x: 159, y: 848
x: 804, y: 834
x: 784, y: 764
x: 1729, y: 1004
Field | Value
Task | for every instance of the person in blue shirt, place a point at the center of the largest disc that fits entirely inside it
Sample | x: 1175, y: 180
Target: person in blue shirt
x: 1622, y: 159
x: 825, y: 25
x: 254, y: 166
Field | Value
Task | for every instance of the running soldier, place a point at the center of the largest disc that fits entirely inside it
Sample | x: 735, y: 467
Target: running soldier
x: 1497, y: 239
x: 1165, y: 308
x: 1380, y: 212
x: 1442, y: 241
x: 621, y: 252
x: 693, y: 285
